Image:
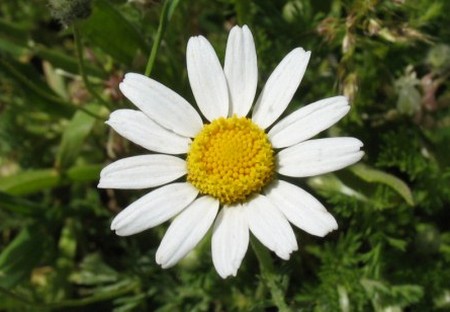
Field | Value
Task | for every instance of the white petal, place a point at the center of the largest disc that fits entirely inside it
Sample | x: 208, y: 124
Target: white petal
x: 319, y: 156
x: 186, y: 231
x: 207, y: 78
x: 154, y: 208
x: 241, y: 70
x: 301, y: 208
x: 280, y: 87
x: 270, y: 226
x: 142, y: 172
x: 161, y: 104
x: 308, y: 121
x: 229, y: 240
x: 141, y: 130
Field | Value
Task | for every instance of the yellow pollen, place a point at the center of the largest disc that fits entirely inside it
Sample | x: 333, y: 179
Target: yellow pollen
x: 230, y: 159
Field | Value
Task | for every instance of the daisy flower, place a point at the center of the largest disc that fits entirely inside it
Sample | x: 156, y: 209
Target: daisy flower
x: 228, y: 166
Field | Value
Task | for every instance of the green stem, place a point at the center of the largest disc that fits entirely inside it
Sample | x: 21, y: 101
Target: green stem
x: 167, y: 11
x: 81, y: 67
x: 269, y: 276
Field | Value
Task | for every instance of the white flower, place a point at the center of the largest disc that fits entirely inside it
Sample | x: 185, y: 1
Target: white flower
x: 233, y: 166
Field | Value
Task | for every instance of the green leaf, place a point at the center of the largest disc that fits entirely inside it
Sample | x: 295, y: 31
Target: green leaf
x: 329, y: 183
x: 65, y: 62
x: 11, y: 32
x: 111, y: 32
x: 93, y: 271
x: 442, y: 300
x: 28, y: 182
x: 84, y: 173
x: 171, y: 9
x: 74, y: 136
x: 33, y: 87
x: 67, y: 245
x: 20, y: 257
x: 19, y: 205
x: 409, y: 100
x: 400, y: 244
x: 377, y: 176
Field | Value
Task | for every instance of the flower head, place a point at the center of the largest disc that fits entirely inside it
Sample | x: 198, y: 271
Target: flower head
x: 232, y: 166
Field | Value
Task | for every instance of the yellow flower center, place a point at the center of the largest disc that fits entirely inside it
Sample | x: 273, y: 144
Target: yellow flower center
x: 230, y: 159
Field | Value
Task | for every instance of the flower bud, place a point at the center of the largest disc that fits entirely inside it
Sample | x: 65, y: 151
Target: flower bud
x: 68, y: 11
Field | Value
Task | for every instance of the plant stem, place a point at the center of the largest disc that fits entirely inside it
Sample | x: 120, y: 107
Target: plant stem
x: 81, y: 67
x: 166, y: 14
x: 269, y: 276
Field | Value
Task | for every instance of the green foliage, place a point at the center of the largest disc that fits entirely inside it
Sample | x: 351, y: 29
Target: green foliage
x: 60, y: 66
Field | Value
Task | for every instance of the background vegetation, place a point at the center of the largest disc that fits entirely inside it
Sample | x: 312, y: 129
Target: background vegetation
x: 60, y: 65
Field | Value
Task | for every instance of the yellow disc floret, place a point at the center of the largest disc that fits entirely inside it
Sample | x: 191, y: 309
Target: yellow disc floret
x: 230, y: 159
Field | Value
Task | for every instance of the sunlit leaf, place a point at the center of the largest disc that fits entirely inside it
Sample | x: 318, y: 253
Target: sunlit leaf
x: 30, y: 181
x: 377, y: 176
x: 84, y: 173
x: 73, y: 137
x: 330, y: 183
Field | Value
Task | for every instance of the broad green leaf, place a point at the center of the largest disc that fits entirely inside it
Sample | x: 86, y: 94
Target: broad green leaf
x: 21, y: 256
x: 107, y: 29
x: 11, y: 48
x: 31, y: 181
x: 74, y: 136
x: 84, y: 173
x: 377, y: 176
